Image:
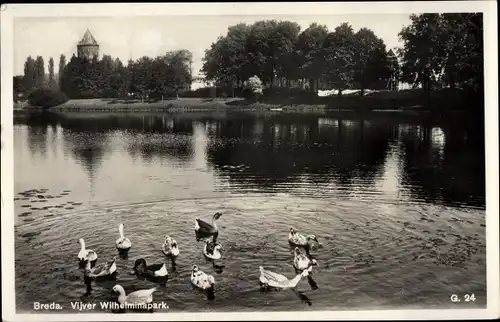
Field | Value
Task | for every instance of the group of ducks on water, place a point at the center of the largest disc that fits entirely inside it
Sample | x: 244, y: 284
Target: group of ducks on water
x: 303, y: 263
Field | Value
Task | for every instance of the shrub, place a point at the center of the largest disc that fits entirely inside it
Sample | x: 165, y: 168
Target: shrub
x: 254, y: 86
x: 46, y: 98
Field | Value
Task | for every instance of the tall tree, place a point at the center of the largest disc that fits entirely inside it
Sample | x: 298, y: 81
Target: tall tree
x: 309, y: 54
x: 72, y: 79
x: 260, y: 50
x: 131, y: 78
x: 283, y: 42
x: 179, y: 66
x: 340, y: 49
x: 143, y: 76
x: 120, y: 79
x: 422, y: 50
x: 39, y: 71
x: 103, y: 75
x: 62, y: 65
x: 234, y: 58
x: 370, y: 60
x: 29, y: 78
x: 214, y: 66
x: 462, y: 55
x: 52, y: 81
x: 162, y: 75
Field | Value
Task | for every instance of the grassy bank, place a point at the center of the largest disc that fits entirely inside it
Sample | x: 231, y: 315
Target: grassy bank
x: 176, y: 105
x: 401, y: 101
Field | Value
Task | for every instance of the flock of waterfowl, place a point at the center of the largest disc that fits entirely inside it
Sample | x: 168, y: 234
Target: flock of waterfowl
x: 303, y: 263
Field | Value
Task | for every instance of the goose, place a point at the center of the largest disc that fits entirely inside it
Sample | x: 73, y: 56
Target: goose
x: 170, y: 248
x: 297, y: 239
x: 86, y: 254
x: 212, y: 252
x: 123, y: 243
x: 102, y: 270
x: 140, y: 297
x: 203, y: 282
x: 154, y: 271
x: 303, y: 262
x: 204, y: 229
x: 275, y: 280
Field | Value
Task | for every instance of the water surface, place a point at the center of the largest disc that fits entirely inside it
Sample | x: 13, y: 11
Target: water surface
x: 397, y: 204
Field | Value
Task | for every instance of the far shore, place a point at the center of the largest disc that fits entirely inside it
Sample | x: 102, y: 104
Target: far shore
x: 406, y: 101
x: 194, y: 105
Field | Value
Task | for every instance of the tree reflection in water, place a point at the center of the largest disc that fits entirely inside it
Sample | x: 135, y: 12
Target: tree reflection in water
x: 271, y: 152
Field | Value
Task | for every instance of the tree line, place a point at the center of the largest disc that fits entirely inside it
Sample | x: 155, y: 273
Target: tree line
x: 443, y: 50
x: 108, y: 77
x: 34, y: 76
x: 281, y: 56
x: 438, y: 50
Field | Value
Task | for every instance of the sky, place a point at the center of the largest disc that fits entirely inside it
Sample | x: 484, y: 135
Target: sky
x: 134, y: 37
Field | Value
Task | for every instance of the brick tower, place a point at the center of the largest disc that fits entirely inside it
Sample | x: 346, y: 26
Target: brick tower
x: 88, y: 47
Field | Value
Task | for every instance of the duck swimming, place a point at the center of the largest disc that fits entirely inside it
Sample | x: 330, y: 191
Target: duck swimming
x: 170, y: 248
x: 303, y: 262
x: 275, y: 280
x: 203, y: 282
x: 141, y: 297
x: 297, y: 239
x: 152, y: 272
x: 86, y: 254
x: 123, y: 243
x: 102, y: 270
x: 212, y: 252
x: 204, y: 229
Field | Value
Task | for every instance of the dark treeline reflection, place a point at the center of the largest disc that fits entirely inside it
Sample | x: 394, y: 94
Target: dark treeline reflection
x: 145, y: 136
x: 444, y: 164
x: 278, y: 149
x: 104, y: 122
x: 326, y: 154
x: 438, y: 163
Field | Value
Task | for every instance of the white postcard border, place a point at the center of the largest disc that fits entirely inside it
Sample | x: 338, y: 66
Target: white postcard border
x: 489, y: 10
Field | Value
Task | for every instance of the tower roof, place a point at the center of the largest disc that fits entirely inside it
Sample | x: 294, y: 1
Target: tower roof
x: 88, y: 39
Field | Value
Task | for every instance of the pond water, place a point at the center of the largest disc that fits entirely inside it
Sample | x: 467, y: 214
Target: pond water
x: 398, y: 205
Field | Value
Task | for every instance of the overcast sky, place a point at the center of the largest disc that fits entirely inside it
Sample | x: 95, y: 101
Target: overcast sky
x: 154, y: 35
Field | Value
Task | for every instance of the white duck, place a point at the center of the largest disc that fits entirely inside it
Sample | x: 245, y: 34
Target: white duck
x: 302, y: 262
x: 203, y: 281
x: 86, y: 254
x: 123, y: 243
x: 102, y: 270
x: 296, y: 238
x: 215, y: 253
x: 170, y: 248
x: 137, y: 297
x: 271, y: 279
